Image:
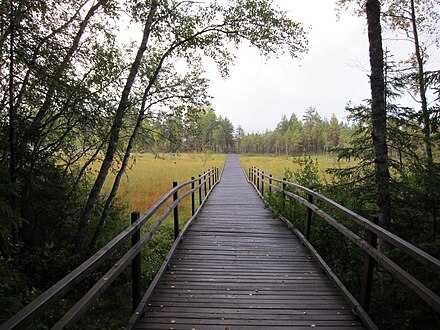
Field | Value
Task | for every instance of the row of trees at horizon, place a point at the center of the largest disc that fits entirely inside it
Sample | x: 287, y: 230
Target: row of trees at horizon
x: 312, y: 134
x: 209, y: 132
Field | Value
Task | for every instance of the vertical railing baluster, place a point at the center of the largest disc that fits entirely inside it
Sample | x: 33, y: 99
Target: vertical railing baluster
x: 204, y: 182
x: 262, y: 184
x: 368, y: 271
x: 270, y: 183
x: 309, y: 218
x: 200, y: 189
x: 258, y: 179
x: 135, y: 266
x: 176, y: 212
x: 283, y: 200
x: 193, y: 197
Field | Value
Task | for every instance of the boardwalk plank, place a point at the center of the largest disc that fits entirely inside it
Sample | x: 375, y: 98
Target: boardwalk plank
x: 239, y: 268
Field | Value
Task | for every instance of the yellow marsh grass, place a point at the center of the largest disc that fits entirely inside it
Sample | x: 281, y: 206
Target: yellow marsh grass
x: 148, y: 179
x: 276, y: 165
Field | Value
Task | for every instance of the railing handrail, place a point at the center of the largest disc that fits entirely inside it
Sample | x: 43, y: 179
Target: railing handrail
x: 386, y: 235
x: 425, y: 293
x: 48, y: 298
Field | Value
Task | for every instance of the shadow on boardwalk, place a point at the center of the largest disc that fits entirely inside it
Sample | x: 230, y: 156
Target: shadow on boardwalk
x: 239, y: 268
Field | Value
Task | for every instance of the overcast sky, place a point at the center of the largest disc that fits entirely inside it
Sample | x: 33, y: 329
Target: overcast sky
x: 335, y: 71
x: 259, y: 92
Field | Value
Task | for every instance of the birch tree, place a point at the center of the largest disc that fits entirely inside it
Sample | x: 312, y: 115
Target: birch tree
x: 418, y: 22
x: 185, y: 29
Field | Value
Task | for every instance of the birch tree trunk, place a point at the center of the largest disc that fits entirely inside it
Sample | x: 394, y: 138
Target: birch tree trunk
x: 422, y: 91
x: 31, y: 133
x: 114, y: 132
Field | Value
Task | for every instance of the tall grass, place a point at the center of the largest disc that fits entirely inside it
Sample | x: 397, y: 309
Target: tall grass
x: 277, y: 165
x: 149, y: 178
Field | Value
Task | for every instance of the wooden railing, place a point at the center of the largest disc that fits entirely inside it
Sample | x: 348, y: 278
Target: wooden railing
x: 264, y: 183
x: 200, y: 187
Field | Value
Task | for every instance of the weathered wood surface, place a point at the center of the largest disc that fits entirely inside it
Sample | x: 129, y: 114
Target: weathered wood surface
x: 239, y: 268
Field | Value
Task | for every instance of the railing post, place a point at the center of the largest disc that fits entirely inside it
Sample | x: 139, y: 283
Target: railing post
x: 270, y: 183
x: 309, y: 218
x: 211, y: 172
x: 204, y: 183
x: 284, y: 194
x: 249, y: 174
x: 367, y: 276
x: 200, y: 189
x: 176, y: 212
x: 135, y: 266
x: 258, y: 179
x: 254, y: 176
x: 193, y: 199
x: 262, y: 184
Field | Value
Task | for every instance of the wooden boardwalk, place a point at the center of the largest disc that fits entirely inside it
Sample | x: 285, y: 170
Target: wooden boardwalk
x: 240, y: 268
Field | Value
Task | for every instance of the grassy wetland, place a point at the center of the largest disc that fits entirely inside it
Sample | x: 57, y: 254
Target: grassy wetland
x: 277, y: 165
x: 149, y: 178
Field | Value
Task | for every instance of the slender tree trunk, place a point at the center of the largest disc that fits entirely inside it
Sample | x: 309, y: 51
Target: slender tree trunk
x: 12, y: 116
x: 114, y: 132
x: 111, y: 197
x: 82, y: 172
x: 36, y: 54
x: 379, y: 116
x: 31, y: 133
x: 422, y: 90
x: 118, y: 178
x: 11, y: 96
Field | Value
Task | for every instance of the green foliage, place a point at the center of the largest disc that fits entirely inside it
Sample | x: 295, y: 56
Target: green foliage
x: 203, y: 132
x: 308, y: 173
x: 10, y: 221
x: 15, y: 289
x: 396, y: 306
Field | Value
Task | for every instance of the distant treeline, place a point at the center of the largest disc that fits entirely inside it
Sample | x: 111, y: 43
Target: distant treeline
x: 209, y: 132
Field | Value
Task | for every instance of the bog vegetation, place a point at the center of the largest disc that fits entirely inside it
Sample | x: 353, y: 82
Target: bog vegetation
x: 80, y: 109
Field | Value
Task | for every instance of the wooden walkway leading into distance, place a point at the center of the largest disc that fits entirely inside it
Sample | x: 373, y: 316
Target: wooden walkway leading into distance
x: 240, y: 268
